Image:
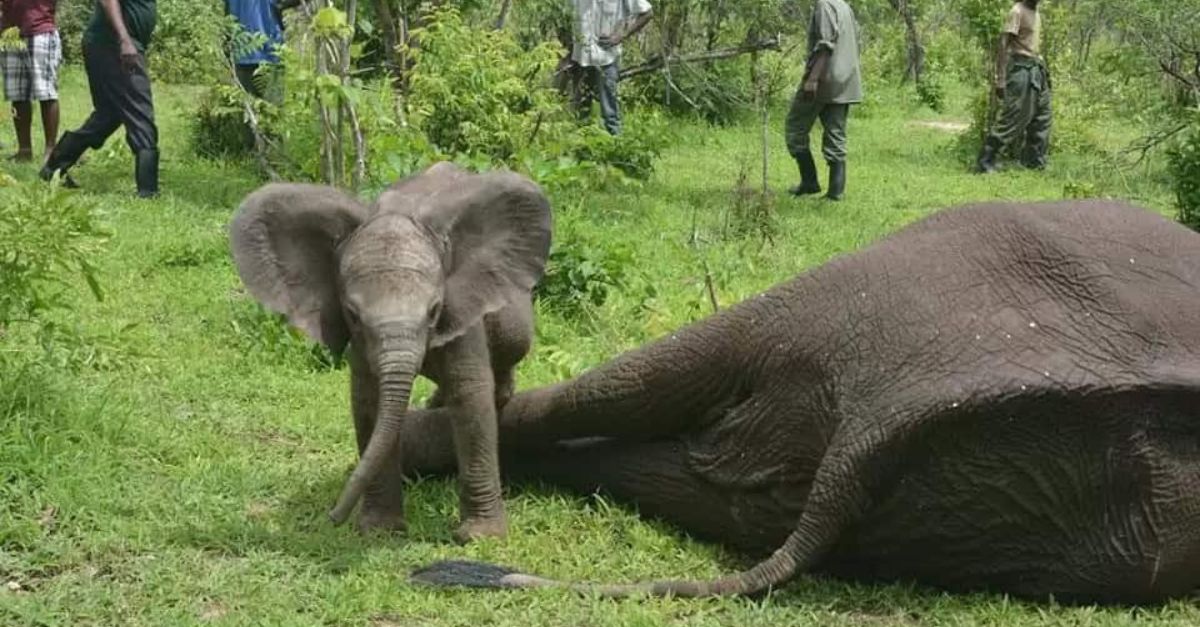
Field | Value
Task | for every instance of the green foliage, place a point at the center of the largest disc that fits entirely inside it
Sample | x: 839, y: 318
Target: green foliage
x: 475, y: 91
x: 1184, y: 160
x: 219, y: 128
x: 580, y: 275
x: 48, y: 239
x: 269, y: 337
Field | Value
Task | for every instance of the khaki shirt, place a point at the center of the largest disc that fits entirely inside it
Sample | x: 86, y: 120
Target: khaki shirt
x: 601, y: 18
x: 834, y: 28
x: 1025, y: 26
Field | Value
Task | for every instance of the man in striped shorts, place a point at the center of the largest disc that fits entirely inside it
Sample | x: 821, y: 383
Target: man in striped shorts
x: 31, y: 71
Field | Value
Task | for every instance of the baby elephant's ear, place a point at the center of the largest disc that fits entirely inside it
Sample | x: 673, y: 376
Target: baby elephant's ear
x: 284, y: 239
x: 497, y: 227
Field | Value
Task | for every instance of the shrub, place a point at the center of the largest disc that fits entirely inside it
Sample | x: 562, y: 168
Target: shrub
x: 579, y: 276
x: 48, y: 237
x: 1184, y: 168
x: 256, y: 331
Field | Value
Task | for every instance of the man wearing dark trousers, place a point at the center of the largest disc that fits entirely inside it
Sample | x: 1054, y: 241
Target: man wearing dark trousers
x: 114, y: 55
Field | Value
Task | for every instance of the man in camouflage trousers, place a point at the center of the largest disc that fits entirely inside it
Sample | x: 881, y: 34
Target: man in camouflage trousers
x: 1023, y: 85
x: 832, y: 82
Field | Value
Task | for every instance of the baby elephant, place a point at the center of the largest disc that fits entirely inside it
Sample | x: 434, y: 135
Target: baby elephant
x: 435, y: 279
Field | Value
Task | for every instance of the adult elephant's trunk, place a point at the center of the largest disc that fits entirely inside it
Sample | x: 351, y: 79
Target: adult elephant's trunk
x: 398, y: 366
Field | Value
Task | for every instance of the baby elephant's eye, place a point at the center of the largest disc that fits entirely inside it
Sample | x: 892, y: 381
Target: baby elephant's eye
x: 351, y: 318
x: 435, y: 310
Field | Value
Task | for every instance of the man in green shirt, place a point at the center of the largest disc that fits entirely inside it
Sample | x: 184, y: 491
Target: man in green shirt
x: 832, y: 82
x: 114, y: 55
x: 1023, y: 84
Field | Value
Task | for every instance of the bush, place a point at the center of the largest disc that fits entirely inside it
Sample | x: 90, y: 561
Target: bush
x: 1184, y: 168
x: 48, y: 237
x: 579, y: 276
x: 219, y: 128
x: 256, y: 331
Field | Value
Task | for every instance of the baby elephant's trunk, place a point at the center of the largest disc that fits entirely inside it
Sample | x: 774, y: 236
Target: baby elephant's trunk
x: 397, y: 368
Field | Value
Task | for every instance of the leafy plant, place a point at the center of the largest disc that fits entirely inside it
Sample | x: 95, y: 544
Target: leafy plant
x: 1184, y: 168
x: 580, y: 275
x: 266, y: 334
x: 48, y: 236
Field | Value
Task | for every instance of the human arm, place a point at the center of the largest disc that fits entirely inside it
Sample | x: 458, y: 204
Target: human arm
x: 824, y: 24
x: 129, y: 52
x: 819, y: 61
x: 640, y: 22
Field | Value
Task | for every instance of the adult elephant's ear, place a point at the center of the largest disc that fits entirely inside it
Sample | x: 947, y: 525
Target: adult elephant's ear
x: 284, y: 239
x: 496, y: 228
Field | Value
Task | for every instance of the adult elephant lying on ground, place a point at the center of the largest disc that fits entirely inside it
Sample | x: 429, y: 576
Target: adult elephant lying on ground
x: 1001, y: 397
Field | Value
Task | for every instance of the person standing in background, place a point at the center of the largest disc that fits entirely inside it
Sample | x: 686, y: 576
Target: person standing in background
x: 263, y: 17
x: 1023, y: 85
x: 832, y: 82
x: 114, y: 56
x: 600, y: 27
x: 31, y: 73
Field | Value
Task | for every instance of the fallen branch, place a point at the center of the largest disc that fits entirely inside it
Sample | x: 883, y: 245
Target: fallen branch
x: 658, y: 62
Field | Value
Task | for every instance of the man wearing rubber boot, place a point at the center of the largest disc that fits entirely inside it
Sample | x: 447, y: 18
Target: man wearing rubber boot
x: 832, y: 83
x: 114, y: 55
x: 1023, y: 85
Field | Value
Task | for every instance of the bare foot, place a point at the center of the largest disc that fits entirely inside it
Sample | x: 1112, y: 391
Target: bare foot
x: 22, y: 155
x: 475, y: 528
x: 378, y: 520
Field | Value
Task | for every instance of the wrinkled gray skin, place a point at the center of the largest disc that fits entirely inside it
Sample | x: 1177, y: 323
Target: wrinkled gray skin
x: 1001, y: 397
x: 435, y: 279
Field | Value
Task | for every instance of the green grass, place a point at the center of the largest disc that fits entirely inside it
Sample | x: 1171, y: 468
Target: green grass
x: 182, y: 477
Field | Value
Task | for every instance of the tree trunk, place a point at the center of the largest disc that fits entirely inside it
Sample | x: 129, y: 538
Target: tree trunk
x: 502, y: 19
x: 390, y: 30
x: 916, y: 51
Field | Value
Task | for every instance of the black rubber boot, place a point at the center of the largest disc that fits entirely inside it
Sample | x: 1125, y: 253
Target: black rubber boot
x: 837, y: 180
x: 146, y: 173
x: 808, y: 176
x: 66, y: 152
x: 987, y: 159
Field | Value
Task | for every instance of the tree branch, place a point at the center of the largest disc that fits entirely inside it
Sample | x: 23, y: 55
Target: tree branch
x: 658, y: 62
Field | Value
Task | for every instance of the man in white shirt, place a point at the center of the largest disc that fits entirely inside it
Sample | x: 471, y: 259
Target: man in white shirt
x: 600, y: 27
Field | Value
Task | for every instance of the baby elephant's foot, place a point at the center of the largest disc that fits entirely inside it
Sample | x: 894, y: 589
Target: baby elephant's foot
x: 481, y: 527
x: 381, y: 520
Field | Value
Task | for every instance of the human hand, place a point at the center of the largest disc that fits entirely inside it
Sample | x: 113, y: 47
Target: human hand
x: 130, y: 58
x: 810, y: 88
x: 999, y: 89
x: 611, y: 41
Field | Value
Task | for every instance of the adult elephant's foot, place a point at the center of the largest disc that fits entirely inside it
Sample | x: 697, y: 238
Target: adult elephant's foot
x: 378, y: 519
x: 471, y: 529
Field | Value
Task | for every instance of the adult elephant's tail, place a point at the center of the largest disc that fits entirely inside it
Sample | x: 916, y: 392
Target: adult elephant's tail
x: 773, y: 571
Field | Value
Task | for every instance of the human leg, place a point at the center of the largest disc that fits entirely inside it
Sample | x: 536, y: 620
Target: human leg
x: 45, y: 57
x: 833, y: 147
x: 1014, y: 118
x: 102, y: 70
x: 23, y: 125
x: 797, y: 129
x: 1037, y: 136
x: 606, y: 90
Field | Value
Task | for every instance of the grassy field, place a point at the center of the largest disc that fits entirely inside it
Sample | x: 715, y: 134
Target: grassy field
x: 182, y: 474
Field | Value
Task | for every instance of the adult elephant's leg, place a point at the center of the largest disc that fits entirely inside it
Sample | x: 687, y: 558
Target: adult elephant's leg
x: 658, y: 390
x: 658, y: 479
